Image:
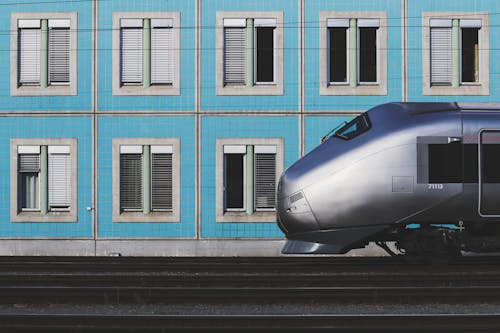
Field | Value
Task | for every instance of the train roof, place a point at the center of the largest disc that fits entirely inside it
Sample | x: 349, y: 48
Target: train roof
x: 428, y: 107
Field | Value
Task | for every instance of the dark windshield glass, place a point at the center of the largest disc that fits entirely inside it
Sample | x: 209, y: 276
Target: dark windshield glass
x: 355, y: 127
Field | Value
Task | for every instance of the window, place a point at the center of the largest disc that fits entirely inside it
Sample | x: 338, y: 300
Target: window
x: 247, y: 179
x: 146, y: 53
x: 354, y: 128
x: 46, y: 188
x: 250, y: 53
x: 146, y: 179
x: 456, y: 54
x: 44, y: 57
x: 353, y: 55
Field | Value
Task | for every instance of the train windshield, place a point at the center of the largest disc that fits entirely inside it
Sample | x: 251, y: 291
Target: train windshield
x: 354, y: 128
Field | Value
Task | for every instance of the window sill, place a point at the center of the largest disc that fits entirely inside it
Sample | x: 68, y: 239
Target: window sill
x: 258, y: 90
x: 244, y: 217
x: 363, y: 89
x: 49, y: 217
x: 469, y: 89
x: 55, y: 90
x: 138, y: 90
x: 157, y: 217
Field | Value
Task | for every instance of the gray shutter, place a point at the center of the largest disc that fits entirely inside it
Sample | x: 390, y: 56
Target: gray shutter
x: 29, y: 162
x: 131, y: 55
x: 59, y: 180
x: 162, y: 56
x: 440, y: 55
x: 131, y: 182
x: 29, y: 56
x: 265, y: 181
x: 234, y: 55
x: 161, y: 182
x: 59, y: 46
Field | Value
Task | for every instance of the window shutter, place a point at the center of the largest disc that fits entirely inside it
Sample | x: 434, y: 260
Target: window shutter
x: 131, y: 54
x: 59, y: 180
x: 234, y: 55
x: 440, y: 55
x: 162, y: 56
x: 131, y: 182
x: 265, y: 181
x: 29, y: 162
x: 161, y: 182
x: 29, y: 56
x: 59, y: 46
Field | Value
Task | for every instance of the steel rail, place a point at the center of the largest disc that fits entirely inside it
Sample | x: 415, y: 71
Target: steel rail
x: 65, y: 322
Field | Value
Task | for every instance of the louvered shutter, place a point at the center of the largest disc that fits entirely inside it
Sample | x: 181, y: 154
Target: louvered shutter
x: 29, y: 162
x: 131, y: 51
x: 265, y: 180
x: 161, y: 182
x: 162, y: 56
x: 59, y: 50
x: 234, y: 55
x: 440, y: 34
x: 131, y: 182
x: 59, y: 180
x: 29, y: 168
x: 29, y: 55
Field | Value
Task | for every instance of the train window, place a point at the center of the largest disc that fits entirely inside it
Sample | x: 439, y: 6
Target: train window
x: 445, y: 163
x: 354, y: 128
x: 453, y: 163
x: 490, y: 163
x: 471, y: 173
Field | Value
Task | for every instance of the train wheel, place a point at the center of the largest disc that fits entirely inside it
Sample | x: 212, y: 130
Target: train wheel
x: 430, y: 246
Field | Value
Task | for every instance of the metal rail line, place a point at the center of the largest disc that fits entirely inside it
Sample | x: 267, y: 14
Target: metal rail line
x: 228, y: 294
x: 273, y: 323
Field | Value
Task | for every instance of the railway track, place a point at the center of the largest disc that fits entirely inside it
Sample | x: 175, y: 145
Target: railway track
x: 248, y: 293
x: 224, y: 323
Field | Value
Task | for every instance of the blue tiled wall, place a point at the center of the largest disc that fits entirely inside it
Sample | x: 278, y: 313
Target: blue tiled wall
x: 313, y: 99
x: 48, y: 127
x: 183, y: 102
x: 215, y: 127
x: 289, y: 100
x: 415, y: 9
x: 82, y: 101
x: 182, y: 127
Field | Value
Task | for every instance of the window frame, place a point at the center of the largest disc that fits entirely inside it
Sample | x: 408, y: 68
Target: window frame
x: 55, y: 215
x: 258, y: 88
x: 378, y: 88
x: 56, y: 89
x: 261, y: 215
x: 153, y: 216
x: 153, y: 89
x: 482, y: 86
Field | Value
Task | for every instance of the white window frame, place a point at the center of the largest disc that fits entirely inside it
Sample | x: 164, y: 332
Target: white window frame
x: 258, y: 88
x: 153, y: 89
x: 54, y: 215
x: 378, y: 88
x: 479, y: 88
x: 56, y: 89
x: 153, y: 216
x: 240, y: 215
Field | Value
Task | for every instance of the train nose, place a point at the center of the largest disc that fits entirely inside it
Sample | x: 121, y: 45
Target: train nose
x: 294, y: 214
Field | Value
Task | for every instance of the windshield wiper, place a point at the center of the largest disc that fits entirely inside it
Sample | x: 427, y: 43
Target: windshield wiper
x: 323, y: 139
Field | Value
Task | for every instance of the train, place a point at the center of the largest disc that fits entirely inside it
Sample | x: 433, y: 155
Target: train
x: 414, y: 178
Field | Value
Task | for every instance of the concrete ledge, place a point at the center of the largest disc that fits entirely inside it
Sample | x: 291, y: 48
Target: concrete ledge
x: 62, y: 247
x: 167, y: 248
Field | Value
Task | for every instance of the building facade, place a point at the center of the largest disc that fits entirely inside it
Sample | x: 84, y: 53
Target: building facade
x: 161, y: 127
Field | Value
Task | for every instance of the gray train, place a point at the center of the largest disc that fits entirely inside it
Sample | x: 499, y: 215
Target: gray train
x: 425, y: 176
